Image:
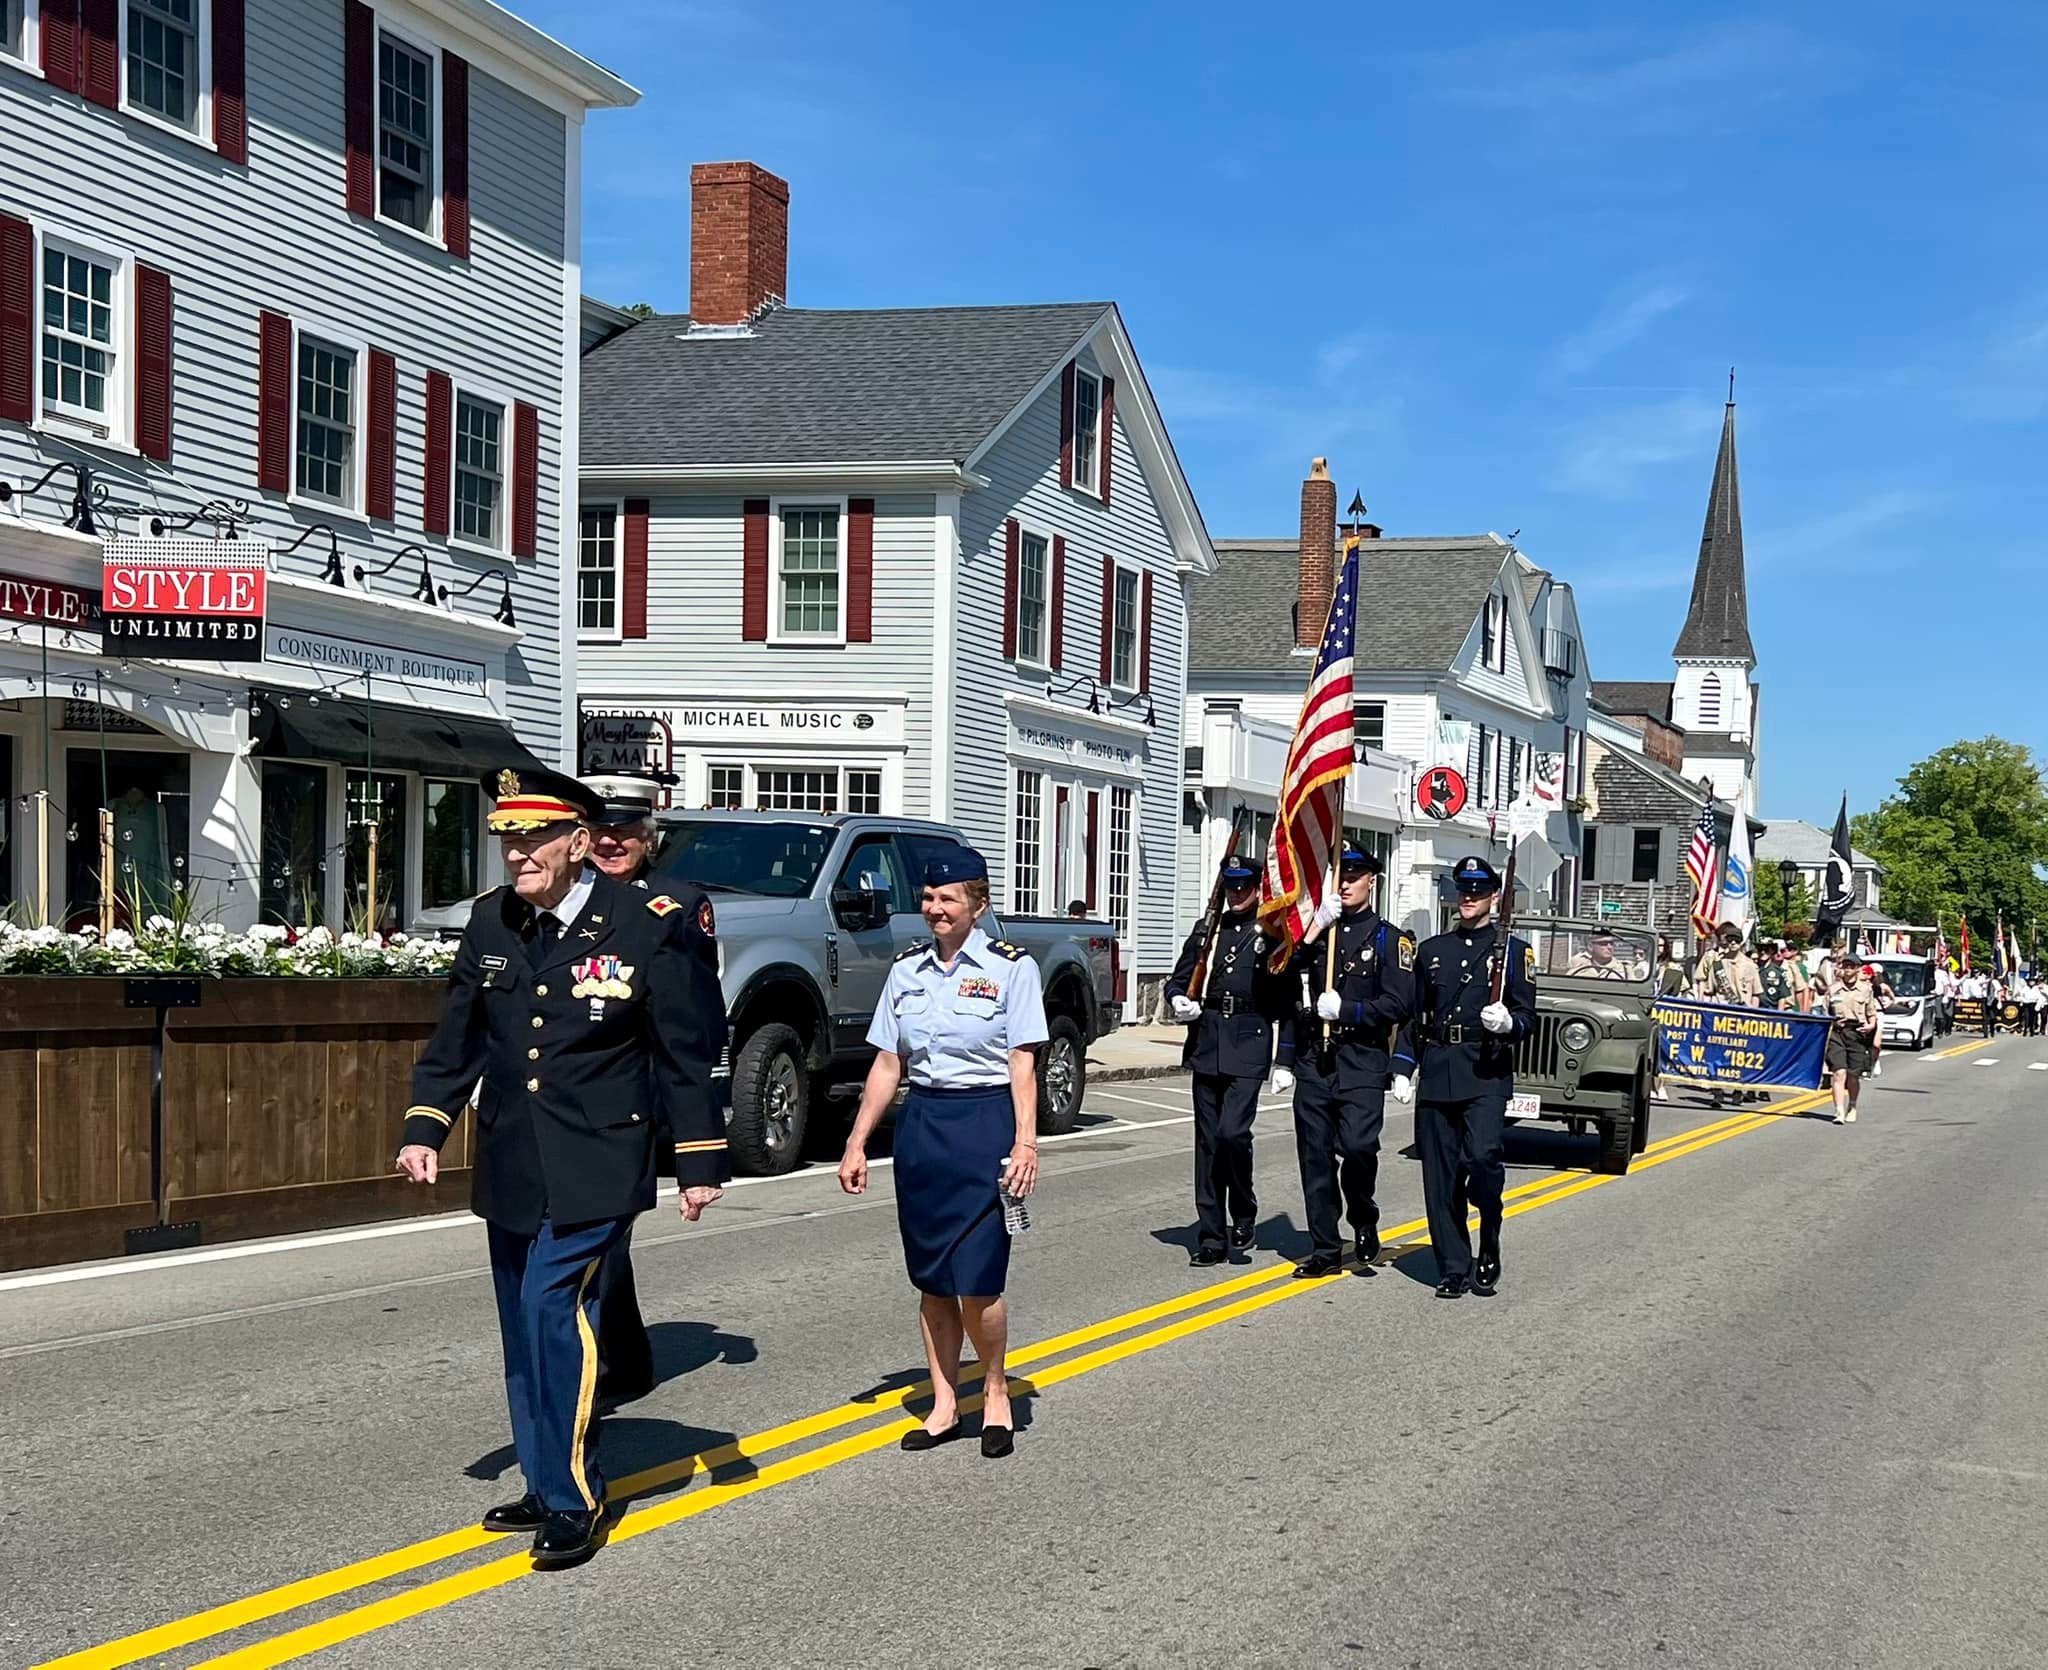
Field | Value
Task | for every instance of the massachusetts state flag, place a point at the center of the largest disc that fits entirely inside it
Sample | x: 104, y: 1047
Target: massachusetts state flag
x: 1701, y: 865
x: 1311, y: 814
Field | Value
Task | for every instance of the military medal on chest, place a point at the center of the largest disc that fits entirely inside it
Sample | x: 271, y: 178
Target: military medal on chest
x: 598, y: 978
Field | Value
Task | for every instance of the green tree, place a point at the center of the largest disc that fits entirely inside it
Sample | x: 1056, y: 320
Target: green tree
x: 1965, y: 835
x: 1778, y: 912
x: 639, y: 310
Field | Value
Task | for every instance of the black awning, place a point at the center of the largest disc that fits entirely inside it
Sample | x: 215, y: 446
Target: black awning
x: 387, y: 737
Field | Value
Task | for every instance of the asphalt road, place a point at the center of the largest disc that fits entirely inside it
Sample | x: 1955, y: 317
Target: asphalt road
x: 1773, y: 1399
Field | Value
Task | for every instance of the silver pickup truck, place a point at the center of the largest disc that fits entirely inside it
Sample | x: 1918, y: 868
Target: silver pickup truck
x: 811, y: 913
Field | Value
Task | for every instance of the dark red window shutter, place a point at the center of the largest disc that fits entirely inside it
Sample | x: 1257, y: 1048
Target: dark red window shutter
x: 525, y: 479
x: 633, y: 572
x: 1145, y: 636
x: 230, y: 92
x: 152, y: 363
x: 1067, y: 426
x: 1059, y: 599
x: 99, y: 51
x: 1108, y: 616
x: 274, y: 405
x: 1012, y: 539
x: 380, y: 457
x: 359, y: 105
x: 17, y: 319
x: 1088, y: 852
x: 754, y: 583
x: 59, y: 28
x: 860, y: 571
x: 440, y: 465
x: 455, y: 155
x: 1108, y: 426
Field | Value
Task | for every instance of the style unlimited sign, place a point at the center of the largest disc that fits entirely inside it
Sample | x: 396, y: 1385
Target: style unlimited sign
x: 205, y: 609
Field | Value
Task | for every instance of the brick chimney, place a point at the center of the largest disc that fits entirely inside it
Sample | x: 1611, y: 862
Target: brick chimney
x: 1318, y: 555
x: 739, y: 241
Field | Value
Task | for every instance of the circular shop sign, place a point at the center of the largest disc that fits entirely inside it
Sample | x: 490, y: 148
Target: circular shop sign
x: 1441, y: 792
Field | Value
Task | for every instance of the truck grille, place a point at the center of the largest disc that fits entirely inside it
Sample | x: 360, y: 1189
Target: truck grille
x: 1537, y: 1054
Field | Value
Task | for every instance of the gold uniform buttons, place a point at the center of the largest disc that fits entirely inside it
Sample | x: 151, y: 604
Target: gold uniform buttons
x: 540, y: 991
x: 537, y: 1021
x: 533, y: 1055
x: 533, y: 1084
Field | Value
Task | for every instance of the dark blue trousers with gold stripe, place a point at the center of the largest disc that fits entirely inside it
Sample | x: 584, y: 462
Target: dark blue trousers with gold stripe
x: 547, y: 1318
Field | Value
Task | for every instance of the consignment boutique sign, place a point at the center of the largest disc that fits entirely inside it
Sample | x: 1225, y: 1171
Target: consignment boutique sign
x: 184, y: 600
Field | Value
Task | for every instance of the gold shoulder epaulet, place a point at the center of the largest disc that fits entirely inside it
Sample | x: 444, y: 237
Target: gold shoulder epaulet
x: 1008, y: 952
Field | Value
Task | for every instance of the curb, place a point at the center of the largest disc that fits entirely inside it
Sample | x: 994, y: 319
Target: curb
x: 1131, y: 1075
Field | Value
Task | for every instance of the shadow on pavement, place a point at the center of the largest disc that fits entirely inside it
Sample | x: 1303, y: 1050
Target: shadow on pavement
x: 1276, y: 1234
x: 630, y: 1444
x: 681, y: 1348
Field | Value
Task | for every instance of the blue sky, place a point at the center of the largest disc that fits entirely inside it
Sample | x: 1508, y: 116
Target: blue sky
x: 1494, y: 261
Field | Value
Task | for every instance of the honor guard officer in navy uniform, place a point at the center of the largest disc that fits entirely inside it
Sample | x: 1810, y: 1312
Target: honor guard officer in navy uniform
x: 1338, y: 1048
x: 1466, y: 1047
x: 1229, y: 1051
x: 591, y: 1013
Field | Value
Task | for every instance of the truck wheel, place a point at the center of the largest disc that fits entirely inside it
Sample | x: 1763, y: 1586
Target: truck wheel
x: 1062, y: 1077
x: 1616, y: 1145
x: 771, y: 1103
x: 1639, y: 1126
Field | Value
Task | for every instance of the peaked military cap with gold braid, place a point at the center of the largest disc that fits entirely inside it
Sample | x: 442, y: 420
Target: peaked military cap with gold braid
x: 529, y: 800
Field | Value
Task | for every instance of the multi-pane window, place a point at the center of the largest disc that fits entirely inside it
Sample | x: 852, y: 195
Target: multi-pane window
x: 449, y: 843
x: 1028, y: 839
x: 1370, y: 724
x: 1032, y: 589
x: 778, y: 789
x: 326, y: 421
x: 13, y: 29
x: 1087, y: 428
x: 163, y: 59
x: 479, y: 470
x: 405, y: 127
x: 375, y: 798
x: 810, y: 572
x: 78, y: 334
x: 728, y: 787
x: 864, y: 792
x: 1120, y: 809
x: 597, y: 571
x: 1123, y: 644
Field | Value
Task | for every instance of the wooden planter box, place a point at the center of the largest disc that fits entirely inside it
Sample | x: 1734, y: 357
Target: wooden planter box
x: 281, y: 1107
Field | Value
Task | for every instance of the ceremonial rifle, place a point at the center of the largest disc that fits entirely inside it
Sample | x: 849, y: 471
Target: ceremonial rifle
x: 1504, y: 913
x: 1213, y: 922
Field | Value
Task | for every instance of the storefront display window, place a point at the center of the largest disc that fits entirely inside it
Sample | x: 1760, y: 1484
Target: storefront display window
x: 150, y: 795
x: 376, y: 798
x: 449, y: 839
x: 294, y: 885
x: 7, y: 824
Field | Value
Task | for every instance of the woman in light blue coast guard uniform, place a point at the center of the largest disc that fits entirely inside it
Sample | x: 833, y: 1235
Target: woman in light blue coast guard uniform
x: 961, y: 1015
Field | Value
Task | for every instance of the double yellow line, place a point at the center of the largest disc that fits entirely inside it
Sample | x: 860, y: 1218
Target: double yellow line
x: 1163, y: 1324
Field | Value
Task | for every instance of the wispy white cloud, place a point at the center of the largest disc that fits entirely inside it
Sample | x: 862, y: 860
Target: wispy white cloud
x: 1846, y: 530
x: 1626, y: 319
x: 1610, y: 455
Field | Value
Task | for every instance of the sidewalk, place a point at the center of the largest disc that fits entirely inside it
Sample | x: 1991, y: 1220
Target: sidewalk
x: 1136, y: 1052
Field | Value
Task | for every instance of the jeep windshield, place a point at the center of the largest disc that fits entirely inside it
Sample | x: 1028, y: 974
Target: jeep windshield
x: 779, y: 860
x: 1906, y: 979
x: 1579, y: 951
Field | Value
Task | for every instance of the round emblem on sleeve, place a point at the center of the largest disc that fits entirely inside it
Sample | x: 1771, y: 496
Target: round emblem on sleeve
x: 707, y: 923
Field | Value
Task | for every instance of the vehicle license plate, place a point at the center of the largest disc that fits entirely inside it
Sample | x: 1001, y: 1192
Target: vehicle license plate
x: 1525, y: 1107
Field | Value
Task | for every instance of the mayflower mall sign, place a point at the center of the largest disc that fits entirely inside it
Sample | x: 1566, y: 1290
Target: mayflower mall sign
x: 184, y: 600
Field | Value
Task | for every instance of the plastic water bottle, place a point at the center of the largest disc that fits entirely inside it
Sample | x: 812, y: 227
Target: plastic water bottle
x: 1016, y: 1218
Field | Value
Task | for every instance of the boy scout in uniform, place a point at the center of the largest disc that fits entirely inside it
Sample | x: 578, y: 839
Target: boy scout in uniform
x: 1466, y: 1046
x: 591, y: 1013
x: 1229, y: 1051
x: 1336, y: 1049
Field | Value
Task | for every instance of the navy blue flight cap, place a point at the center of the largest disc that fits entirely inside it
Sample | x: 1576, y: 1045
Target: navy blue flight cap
x: 955, y: 864
x: 1475, y: 875
x: 1355, y: 857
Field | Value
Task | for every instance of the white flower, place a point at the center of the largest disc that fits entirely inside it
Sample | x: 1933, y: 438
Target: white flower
x: 269, y: 933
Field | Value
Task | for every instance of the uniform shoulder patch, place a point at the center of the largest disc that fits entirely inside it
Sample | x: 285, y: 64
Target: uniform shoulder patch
x: 917, y: 950
x: 662, y: 905
x: 707, y: 919
x: 1008, y: 952
x: 1405, y: 951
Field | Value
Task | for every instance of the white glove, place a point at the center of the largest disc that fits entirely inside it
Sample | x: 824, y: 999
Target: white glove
x: 1328, y: 911
x: 1282, y: 1082
x: 1329, y: 1006
x: 1495, y: 1018
x: 1185, y: 1009
x: 1404, y: 1090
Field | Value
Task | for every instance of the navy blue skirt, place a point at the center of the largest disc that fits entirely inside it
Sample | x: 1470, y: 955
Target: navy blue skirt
x: 950, y: 1148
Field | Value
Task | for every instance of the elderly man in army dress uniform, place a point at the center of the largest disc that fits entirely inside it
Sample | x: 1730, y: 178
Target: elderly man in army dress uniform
x: 1466, y: 1046
x: 1337, y: 1047
x: 591, y: 1013
x: 1229, y: 1051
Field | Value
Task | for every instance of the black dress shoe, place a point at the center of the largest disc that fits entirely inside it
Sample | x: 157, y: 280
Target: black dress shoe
x: 923, y: 1440
x: 997, y: 1442
x: 525, y: 1514
x: 1451, y: 1287
x: 1486, y: 1276
x: 1368, y: 1247
x: 1319, y: 1264
x: 1242, y: 1235
x: 1202, y: 1257
x: 567, y: 1539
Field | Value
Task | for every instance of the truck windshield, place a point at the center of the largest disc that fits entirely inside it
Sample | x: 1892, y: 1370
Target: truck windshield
x: 781, y: 860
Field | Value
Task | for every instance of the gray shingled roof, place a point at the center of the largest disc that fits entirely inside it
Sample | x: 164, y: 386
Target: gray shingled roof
x: 1633, y: 696
x: 813, y: 386
x: 1804, y: 843
x: 1417, y: 601
x: 1717, y: 619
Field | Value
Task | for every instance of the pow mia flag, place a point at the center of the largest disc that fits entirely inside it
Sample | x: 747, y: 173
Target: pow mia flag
x: 1837, y: 887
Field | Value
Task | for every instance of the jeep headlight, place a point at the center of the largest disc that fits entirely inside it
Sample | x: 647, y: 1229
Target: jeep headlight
x: 1577, y: 1036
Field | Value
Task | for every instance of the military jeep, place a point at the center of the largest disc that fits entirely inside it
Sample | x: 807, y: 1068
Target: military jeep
x: 1590, y: 1061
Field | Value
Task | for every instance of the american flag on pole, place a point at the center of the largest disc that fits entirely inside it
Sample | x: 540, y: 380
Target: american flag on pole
x: 1701, y: 865
x: 1312, y: 788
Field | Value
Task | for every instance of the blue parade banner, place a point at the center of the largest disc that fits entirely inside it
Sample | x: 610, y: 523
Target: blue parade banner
x: 1716, y: 1043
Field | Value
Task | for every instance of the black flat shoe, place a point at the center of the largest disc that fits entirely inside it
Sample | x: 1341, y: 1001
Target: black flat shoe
x: 1242, y: 1235
x: 1451, y: 1287
x: 567, y: 1539
x: 920, y: 1439
x: 1319, y: 1264
x: 1203, y: 1257
x: 997, y: 1442
x: 526, y: 1514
